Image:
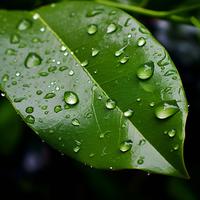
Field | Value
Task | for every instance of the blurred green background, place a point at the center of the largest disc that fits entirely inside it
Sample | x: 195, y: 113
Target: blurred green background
x: 31, y: 169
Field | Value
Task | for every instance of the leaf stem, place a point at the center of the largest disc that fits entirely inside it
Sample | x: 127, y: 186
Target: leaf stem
x: 170, y: 15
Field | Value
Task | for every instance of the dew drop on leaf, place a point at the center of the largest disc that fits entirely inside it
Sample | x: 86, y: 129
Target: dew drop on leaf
x: 75, y: 122
x: 5, y: 78
x: 128, y: 113
x: 145, y: 71
x: 84, y: 63
x: 141, y: 42
x: 92, y: 29
x: 172, y: 133
x: 32, y: 60
x: 92, y: 13
x: 10, y: 52
x: 30, y: 119
x: 175, y: 147
x: 71, y: 73
x: 94, y: 52
x: 57, y: 108
x: 19, y: 99
x: 111, y: 28
x: 39, y: 92
x: 24, y: 24
x: 124, y: 59
x: 76, y: 149
x: 52, y: 69
x: 15, y: 39
x: 110, y: 104
x: 63, y: 68
x: 140, y: 161
x: 49, y: 95
x: 29, y: 109
x: 126, y: 146
x: 166, y: 109
x: 71, y: 98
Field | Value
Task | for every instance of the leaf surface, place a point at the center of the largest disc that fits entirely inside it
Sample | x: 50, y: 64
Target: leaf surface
x: 95, y: 84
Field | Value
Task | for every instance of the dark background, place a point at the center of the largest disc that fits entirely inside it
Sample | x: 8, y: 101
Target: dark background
x: 31, y: 169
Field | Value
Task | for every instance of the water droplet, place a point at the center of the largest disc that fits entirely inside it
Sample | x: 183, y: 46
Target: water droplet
x: 127, y: 22
x: 76, y: 149
x: 42, y: 29
x: 57, y: 88
x: 19, y: 99
x: 143, y: 30
x: 57, y: 108
x: 152, y: 104
x: 14, y: 39
x: 142, y: 142
x: 124, y: 60
x: 71, y: 72
x: 92, y: 29
x: 128, y: 113
x: 140, y: 161
x: 71, y: 98
x: 30, y: 119
x: 17, y: 74
x: 5, y: 78
x: 49, y: 95
x: 39, y: 92
x: 94, y: 52
x: 166, y: 109
x: 66, y: 54
x: 91, y: 155
x: 141, y: 42
x: 175, y: 147
x: 58, y: 62
x: 32, y: 60
x: 52, y: 69
x: 84, y: 63
x: 126, y: 146
x: 24, y: 24
x: 43, y: 73
x: 11, y: 52
x: 44, y: 107
x: 75, y: 122
x: 14, y: 82
x: 172, y: 133
x: 138, y: 99
x: 3, y: 94
x: 63, y: 68
x: 92, y: 13
x: 119, y: 52
x: 36, y: 16
x: 145, y: 71
x: 99, y: 97
x: 110, y: 104
x: 111, y: 28
x: 29, y: 110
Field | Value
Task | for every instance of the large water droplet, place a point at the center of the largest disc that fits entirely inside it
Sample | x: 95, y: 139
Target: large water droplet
x: 124, y: 59
x: 111, y: 28
x: 29, y: 110
x: 71, y: 98
x: 126, y: 146
x: 75, y: 122
x: 145, y: 71
x: 49, y: 95
x: 110, y: 104
x: 32, y: 60
x: 57, y: 108
x: 30, y: 119
x: 14, y: 39
x: 24, y: 24
x: 128, y: 113
x: 141, y: 42
x: 92, y: 29
x: 172, y: 133
x: 94, y: 52
x: 166, y: 109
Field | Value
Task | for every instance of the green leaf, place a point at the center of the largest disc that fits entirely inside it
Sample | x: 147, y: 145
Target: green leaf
x: 95, y: 81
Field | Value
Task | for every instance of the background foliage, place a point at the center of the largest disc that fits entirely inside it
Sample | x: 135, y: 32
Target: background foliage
x: 30, y: 168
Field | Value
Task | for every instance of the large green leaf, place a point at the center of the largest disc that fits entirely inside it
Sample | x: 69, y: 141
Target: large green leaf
x: 116, y: 58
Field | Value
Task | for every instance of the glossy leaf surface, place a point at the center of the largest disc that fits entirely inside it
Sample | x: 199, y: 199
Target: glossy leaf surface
x: 96, y: 85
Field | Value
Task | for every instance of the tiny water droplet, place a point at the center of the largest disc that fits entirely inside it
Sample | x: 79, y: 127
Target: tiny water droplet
x: 42, y: 29
x: 142, y: 142
x: 29, y: 109
x: 166, y: 109
x: 3, y: 94
x: 57, y: 108
x: 32, y: 60
x: 30, y: 119
x: 145, y: 71
x: 94, y: 52
x: 143, y: 30
x: 175, y: 147
x: 140, y: 161
x: 119, y: 52
x: 52, y: 69
x: 39, y: 92
x: 110, y: 104
x: 43, y: 73
x: 15, y: 39
x: 141, y: 42
x: 75, y: 122
x: 92, y: 29
x: 63, y: 48
x: 91, y: 155
x: 11, y: 52
x: 63, y: 68
x: 76, y: 149
x: 44, y: 107
x: 5, y: 78
x: 152, y: 104
x: 24, y: 24
x: 49, y: 95
x: 127, y: 22
x: 172, y: 133
x: 17, y: 74
x: 36, y: 16
x: 19, y: 99
x: 128, y: 113
x: 111, y: 28
x: 126, y: 146
x: 124, y: 59
x: 138, y: 99
x: 92, y: 13
x: 71, y: 73
x: 84, y: 63
x: 71, y: 98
